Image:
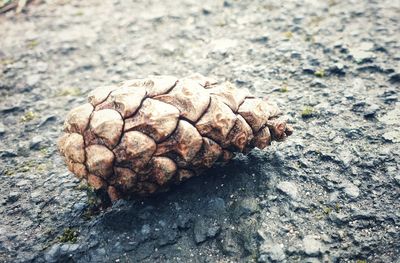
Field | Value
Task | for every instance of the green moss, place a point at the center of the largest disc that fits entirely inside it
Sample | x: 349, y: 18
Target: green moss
x: 41, y: 167
x: 93, y: 201
x: 9, y: 172
x: 31, y: 165
x: 25, y: 166
x: 28, y: 116
x: 44, y: 151
x: 327, y: 210
x: 254, y: 257
x: 82, y: 186
x: 68, y: 236
x: 6, y: 61
x: 70, y: 91
x: 32, y: 44
x: 332, y: 3
x: 307, y: 112
x: 361, y: 261
x: 288, y: 34
x: 319, y: 216
x: 320, y: 73
x: 337, y: 208
x: 284, y: 89
x: 309, y: 38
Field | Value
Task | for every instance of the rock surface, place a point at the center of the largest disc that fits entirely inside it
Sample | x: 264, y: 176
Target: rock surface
x: 333, y: 67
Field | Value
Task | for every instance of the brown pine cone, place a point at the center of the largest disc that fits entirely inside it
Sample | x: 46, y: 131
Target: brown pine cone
x: 140, y: 137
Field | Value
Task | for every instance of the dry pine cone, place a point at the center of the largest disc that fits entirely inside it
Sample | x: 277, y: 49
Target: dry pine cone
x: 141, y: 136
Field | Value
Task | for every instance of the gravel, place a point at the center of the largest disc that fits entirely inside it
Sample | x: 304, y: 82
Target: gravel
x: 330, y: 193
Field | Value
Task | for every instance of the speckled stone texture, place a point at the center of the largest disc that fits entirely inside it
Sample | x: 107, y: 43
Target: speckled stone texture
x: 141, y: 136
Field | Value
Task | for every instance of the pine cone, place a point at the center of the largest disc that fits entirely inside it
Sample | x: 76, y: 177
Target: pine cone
x: 141, y: 136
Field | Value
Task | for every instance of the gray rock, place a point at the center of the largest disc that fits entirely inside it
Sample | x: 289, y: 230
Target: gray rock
x: 146, y: 212
x: 248, y: 206
x: 345, y: 157
x: 46, y: 120
x: 338, y: 218
x: 389, y: 97
x: 229, y: 244
x: 79, y: 207
x: 23, y: 182
x: 371, y: 111
x: 308, y: 70
x: 183, y: 221
x: 215, y: 207
x: 118, y: 248
x: 351, y: 190
x: 391, y: 118
x: 260, y: 39
x: 223, y: 45
x: 295, y: 54
x: 32, y: 80
x: 36, y: 196
x: 313, y: 260
x: 362, y: 54
x: 203, y: 230
x: 98, y: 255
x: 358, y: 85
x: 312, y: 246
x: 318, y: 83
x: 145, y: 232
x: 41, y: 67
x: 333, y: 197
x: 271, y: 252
x: 23, y: 149
x: 13, y: 197
x: 168, y: 236
x: 394, y: 78
x: 8, y: 153
x: 36, y: 142
x: 53, y: 253
x: 289, y: 188
x: 392, y: 136
x: 337, y: 69
x: 397, y: 178
x: 167, y: 49
x: 2, y: 128
x: 68, y: 248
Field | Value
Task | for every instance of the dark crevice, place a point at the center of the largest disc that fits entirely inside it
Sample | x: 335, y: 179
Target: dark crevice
x: 84, y: 141
x: 170, y: 89
x: 204, y: 112
x: 172, y: 133
x: 138, y: 108
x: 102, y: 100
x: 253, y: 133
x: 240, y: 104
x: 121, y: 135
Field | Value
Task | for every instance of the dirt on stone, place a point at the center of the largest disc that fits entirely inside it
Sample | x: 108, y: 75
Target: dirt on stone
x: 330, y: 193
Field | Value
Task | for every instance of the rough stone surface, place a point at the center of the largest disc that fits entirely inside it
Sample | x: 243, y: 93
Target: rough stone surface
x: 312, y: 246
x: 289, y: 188
x: 271, y: 252
x: 284, y: 50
